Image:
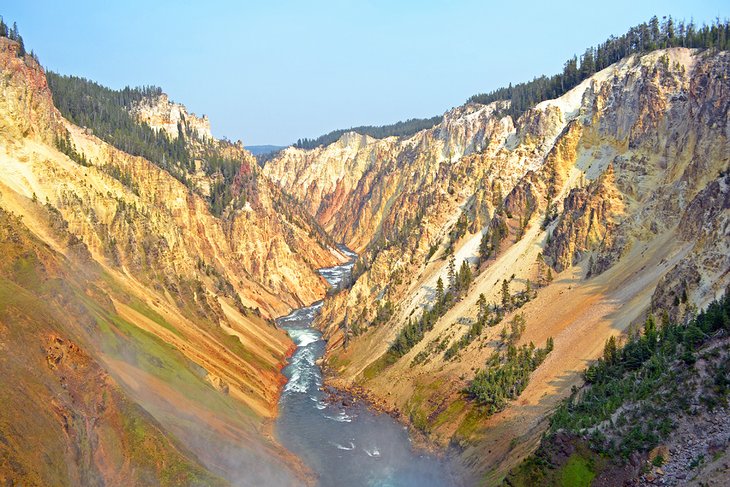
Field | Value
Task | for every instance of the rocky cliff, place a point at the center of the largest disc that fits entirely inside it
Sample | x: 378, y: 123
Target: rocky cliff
x: 164, y: 115
x: 617, y: 188
x: 144, y: 298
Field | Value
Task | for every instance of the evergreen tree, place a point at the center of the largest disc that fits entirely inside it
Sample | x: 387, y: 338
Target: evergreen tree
x: 484, y: 247
x: 439, y: 290
x: 506, y: 298
x: 482, y: 302
x: 465, y: 275
x: 452, y: 272
x: 398, y: 129
x: 21, y: 46
x: 640, y: 39
x: 610, y: 350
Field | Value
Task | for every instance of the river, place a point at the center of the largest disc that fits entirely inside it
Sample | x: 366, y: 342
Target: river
x: 353, y: 446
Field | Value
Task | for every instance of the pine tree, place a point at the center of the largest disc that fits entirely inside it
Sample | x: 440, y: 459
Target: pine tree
x: 506, y: 298
x: 610, y: 350
x: 482, y: 302
x: 484, y: 248
x: 452, y: 272
x: 440, y: 290
x: 650, y: 330
x: 465, y: 275
x: 21, y: 46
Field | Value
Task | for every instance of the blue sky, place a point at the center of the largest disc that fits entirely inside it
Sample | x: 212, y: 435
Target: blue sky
x: 273, y: 71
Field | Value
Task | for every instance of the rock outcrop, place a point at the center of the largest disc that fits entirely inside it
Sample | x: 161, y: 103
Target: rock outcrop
x: 614, y: 185
x: 164, y: 115
x: 172, y: 302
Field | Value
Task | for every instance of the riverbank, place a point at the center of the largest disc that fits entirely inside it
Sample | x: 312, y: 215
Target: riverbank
x: 342, y: 438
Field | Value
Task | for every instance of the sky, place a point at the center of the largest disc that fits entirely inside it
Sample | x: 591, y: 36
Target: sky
x: 273, y: 71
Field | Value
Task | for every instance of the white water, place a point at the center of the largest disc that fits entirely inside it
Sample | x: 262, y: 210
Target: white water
x: 345, y: 446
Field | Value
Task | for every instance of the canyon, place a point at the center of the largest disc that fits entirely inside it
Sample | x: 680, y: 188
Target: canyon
x: 153, y: 313
x: 600, y: 184
x: 147, y: 316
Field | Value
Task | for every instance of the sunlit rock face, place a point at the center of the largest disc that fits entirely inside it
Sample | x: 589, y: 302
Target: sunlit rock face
x: 162, y: 308
x: 164, y: 115
x: 619, y: 187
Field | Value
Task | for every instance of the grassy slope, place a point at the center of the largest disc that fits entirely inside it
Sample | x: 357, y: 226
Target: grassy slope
x: 64, y: 421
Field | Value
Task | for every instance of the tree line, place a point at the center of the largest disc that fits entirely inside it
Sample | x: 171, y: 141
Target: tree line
x: 643, y: 38
x: 398, y: 129
x: 106, y: 112
x: 646, y: 37
x: 415, y: 330
x: 638, y: 391
x: 13, y: 34
x: 636, y: 370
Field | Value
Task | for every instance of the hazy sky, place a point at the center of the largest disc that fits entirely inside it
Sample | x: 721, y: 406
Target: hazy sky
x: 270, y: 72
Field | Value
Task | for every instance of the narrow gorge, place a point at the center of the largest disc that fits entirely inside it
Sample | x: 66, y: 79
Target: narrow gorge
x: 530, y: 289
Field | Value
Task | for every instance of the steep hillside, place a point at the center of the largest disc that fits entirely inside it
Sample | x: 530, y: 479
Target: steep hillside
x: 57, y: 399
x: 576, y: 219
x: 275, y: 243
x: 140, y: 297
x: 636, y: 422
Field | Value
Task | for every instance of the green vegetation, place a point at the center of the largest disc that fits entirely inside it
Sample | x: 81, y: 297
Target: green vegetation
x: 644, y: 371
x: 458, y: 231
x: 505, y: 376
x: 384, y: 313
x: 398, y: 129
x: 64, y: 144
x: 124, y: 177
x: 474, y: 331
x: 436, y: 345
x: 492, y: 238
x: 142, y: 308
x: 577, y: 472
x: 641, y: 39
x: 106, y: 112
x: 375, y: 368
x: 13, y: 34
x: 488, y: 316
x: 635, y: 392
x: 414, y: 331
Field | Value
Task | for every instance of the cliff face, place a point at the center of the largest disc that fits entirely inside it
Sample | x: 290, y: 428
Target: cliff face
x: 172, y: 302
x: 164, y: 115
x: 588, y: 222
x: 57, y: 398
x: 614, y: 186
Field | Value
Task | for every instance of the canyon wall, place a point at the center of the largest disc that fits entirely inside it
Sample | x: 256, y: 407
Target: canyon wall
x: 618, y: 188
x: 152, y: 316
